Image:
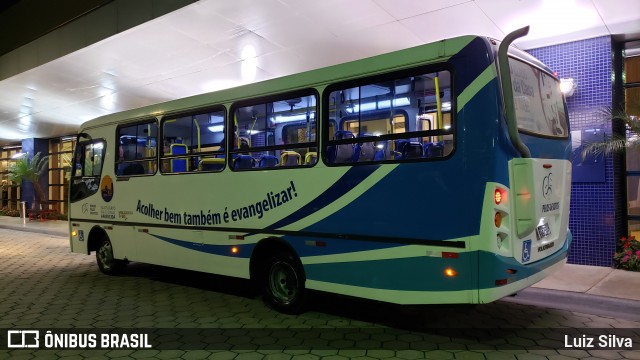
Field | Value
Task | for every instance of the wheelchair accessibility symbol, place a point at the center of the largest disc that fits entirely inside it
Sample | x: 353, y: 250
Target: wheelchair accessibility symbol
x: 526, y: 251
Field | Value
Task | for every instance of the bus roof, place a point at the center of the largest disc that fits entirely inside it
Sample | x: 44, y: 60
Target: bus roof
x: 421, y: 54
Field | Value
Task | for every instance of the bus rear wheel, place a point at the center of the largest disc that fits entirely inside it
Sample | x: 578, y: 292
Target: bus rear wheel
x: 283, y: 284
x: 106, y: 262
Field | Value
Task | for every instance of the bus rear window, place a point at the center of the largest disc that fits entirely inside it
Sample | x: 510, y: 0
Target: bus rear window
x: 538, y: 101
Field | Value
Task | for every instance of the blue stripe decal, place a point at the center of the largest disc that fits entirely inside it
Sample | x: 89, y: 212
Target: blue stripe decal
x: 333, y: 246
x: 418, y: 273
x: 423, y: 273
x: 244, y: 250
x: 349, y: 180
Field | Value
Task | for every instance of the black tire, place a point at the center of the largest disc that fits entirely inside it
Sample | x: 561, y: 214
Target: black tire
x: 283, y: 284
x: 106, y: 263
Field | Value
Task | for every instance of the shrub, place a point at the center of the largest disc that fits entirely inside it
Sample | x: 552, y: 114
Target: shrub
x: 627, y: 254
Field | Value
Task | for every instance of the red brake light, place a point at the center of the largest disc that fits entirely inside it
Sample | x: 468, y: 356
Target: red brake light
x: 497, y: 196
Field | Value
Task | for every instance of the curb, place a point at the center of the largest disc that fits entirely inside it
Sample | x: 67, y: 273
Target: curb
x: 35, y: 230
x: 606, y: 306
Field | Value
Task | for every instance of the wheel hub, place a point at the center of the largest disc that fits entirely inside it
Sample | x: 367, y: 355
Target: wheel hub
x: 283, y: 282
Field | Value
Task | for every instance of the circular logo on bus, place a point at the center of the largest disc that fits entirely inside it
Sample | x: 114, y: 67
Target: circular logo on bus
x: 106, y: 188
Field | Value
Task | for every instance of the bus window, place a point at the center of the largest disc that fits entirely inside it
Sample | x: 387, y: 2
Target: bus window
x: 405, y: 118
x: 137, y: 149
x: 280, y: 132
x: 87, y: 169
x: 375, y: 126
x: 193, y: 142
x: 538, y: 101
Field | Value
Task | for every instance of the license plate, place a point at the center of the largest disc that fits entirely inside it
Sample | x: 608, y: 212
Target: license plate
x: 543, y: 231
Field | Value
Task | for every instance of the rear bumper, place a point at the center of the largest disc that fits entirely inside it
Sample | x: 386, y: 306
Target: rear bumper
x: 517, y: 275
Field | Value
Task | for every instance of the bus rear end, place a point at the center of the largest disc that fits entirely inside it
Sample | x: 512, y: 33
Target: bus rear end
x: 531, y: 212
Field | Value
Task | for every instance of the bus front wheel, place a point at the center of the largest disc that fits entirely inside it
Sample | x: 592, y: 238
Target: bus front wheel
x: 284, y: 284
x: 106, y: 262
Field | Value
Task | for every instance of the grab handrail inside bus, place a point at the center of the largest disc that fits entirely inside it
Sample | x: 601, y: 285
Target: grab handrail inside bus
x: 507, y: 90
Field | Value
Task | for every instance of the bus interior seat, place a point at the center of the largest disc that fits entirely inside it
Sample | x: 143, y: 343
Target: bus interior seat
x: 399, y: 146
x: 289, y: 158
x: 179, y: 165
x: 243, y: 162
x: 381, y: 151
x: 310, y: 158
x: 433, y: 149
x: 412, y: 150
x: 343, y: 152
x: 364, y: 151
x: 268, y: 161
x: 438, y: 149
x: 211, y: 164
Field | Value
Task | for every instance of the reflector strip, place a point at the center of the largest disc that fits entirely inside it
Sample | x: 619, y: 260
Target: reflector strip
x: 547, y: 166
x: 449, y: 255
x: 315, y: 243
x: 236, y: 237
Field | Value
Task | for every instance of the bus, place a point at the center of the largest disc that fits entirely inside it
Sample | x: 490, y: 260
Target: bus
x: 430, y: 175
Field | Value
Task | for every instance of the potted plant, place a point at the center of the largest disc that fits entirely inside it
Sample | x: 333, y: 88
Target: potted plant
x: 627, y: 255
x: 30, y: 169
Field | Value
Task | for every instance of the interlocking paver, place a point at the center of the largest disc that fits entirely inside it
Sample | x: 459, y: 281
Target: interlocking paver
x: 195, y: 355
x: 439, y: 355
x: 324, y: 352
x: 410, y: 354
x: 280, y: 356
x: 46, y: 286
x: 575, y: 353
x: 605, y: 354
x: 530, y: 357
x: 561, y: 357
x: 222, y: 355
x: 497, y: 355
x: 93, y: 355
x: 634, y: 355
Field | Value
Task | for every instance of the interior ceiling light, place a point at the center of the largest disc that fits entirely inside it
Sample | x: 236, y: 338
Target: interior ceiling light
x: 249, y: 63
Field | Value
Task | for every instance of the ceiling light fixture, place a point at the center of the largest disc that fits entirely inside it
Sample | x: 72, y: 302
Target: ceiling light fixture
x: 568, y: 86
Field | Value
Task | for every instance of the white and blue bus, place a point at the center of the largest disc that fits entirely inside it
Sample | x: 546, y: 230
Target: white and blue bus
x: 435, y: 174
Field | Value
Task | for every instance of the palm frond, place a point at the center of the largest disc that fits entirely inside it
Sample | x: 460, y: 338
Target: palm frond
x: 29, y: 169
x: 610, y: 145
x: 41, y: 165
x: 615, y: 143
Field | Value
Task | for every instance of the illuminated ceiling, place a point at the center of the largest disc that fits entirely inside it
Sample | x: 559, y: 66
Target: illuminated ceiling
x: 214, y: 44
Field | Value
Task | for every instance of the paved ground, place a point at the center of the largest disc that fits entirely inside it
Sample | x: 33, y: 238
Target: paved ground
x: 44, y: 286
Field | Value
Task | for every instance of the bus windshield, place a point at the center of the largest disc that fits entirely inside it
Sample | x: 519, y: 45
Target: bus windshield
x: 538, y: 101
